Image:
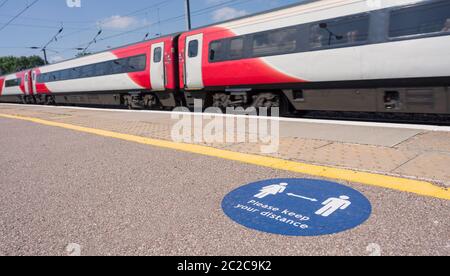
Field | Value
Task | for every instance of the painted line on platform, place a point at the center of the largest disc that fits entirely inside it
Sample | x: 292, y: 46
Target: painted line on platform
x: 395, y: 183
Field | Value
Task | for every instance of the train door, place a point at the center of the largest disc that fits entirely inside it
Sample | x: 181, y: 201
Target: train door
x: 33, y: 82
x: 193, y: 62
x: 157, y: 70
x: 27, y: 83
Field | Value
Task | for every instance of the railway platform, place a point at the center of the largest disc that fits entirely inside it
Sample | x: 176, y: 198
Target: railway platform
x: 412, y: 151
x: 116, y: 182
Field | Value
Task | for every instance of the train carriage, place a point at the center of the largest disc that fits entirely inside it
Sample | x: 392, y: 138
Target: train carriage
x: 336, y: 55
x: 16, y: 87
x: 142, y: 75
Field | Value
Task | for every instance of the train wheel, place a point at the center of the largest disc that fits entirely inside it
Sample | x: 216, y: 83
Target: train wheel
x: 127, y: 103
x: 49, y: 100
x: 285, y: 106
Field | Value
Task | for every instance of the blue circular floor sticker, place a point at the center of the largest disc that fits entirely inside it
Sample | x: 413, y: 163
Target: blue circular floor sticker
x: 297, y: 207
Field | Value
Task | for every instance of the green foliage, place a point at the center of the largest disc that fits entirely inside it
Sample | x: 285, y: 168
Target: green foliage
x: 83, y: 54
x: 11, y: 64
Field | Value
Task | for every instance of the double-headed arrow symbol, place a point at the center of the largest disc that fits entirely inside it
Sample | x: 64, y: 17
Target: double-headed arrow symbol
x: 302, y: 197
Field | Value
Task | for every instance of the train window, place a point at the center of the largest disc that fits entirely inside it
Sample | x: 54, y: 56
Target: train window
x: 237, y: 48
x: 45, y: 78
x: 275, y: 42
x: 103, y: 68
x: 137, y: 63
x: 193, y: 49
x: 343, y: 31
x: 157, y: 55
x: 92, y: 69
x: 81, y: 72
x: 87, y: 71
x: 55, y: 76
x: 74, y: 73
x: 216, y: 51
x: 13, y: 82
x: 65, y: 74
x: 420, y: 19
x: 119, y: 66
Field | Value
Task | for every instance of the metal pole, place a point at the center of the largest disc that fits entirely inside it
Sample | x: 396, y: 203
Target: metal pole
x: 188, y: 15
x: 45, y: 56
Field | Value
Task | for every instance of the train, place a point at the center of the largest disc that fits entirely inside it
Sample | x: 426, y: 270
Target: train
x: 389, y: 56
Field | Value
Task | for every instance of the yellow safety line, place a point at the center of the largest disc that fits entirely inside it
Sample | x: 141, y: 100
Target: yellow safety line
x: 395, y: 183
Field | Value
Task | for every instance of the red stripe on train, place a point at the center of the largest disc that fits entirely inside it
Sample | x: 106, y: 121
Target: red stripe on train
x: 21, y: 76
x: 140, y: 78
x: 41, y: 88
x: 2, y: 81
x: 248, y: 71
x: 238, y: 72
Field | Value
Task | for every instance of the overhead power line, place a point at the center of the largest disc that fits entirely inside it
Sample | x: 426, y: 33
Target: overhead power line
x: 180, y: 17
x: 102, y: 22
x: 175, y: 18
x: 140, y: 11
x: 3, y: 3
x: 78, y: 22
x: 145, y: 9
x: 19, y: 14
x: 41, y: 26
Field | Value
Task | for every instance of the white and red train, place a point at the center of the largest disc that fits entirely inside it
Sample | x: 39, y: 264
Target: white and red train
x: 334, y: 55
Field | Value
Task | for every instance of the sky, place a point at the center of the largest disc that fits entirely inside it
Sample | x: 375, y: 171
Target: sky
x: 121, y: 21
